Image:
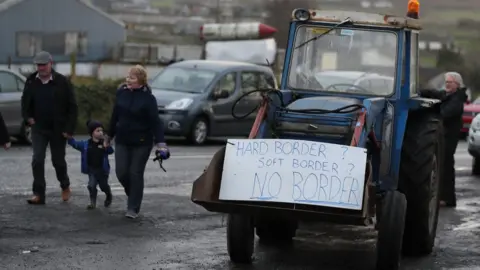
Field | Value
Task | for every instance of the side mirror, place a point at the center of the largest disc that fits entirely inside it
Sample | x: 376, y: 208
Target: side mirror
x: 221, y: 94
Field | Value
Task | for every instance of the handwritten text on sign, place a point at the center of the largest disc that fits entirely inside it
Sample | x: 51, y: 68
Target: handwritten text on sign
x: 294, y: 171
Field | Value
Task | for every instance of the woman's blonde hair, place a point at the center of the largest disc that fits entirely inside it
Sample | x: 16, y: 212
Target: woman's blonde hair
x: 141, y: 73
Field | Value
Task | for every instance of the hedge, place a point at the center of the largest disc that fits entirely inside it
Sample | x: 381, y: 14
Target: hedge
x: 95, y: 99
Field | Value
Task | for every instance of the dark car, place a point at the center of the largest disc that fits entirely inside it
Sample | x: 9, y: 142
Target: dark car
x: 196, y: 97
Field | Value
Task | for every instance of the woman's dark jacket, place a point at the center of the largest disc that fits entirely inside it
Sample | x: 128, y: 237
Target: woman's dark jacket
x: 451, y: 109
x: 135, y: 120
x: 4, y: 136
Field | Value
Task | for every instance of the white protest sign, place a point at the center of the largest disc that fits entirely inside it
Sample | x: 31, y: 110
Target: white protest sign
x: 294, y: 171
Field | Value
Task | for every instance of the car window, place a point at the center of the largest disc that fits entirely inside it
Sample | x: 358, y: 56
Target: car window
x: 266, y: 81
x: 250, y: 82
x: 227, y: 83
x: 21, y: 84
x: 8, y: 82
x: 381, y: 86
x: 365, y: 84
x: 179, y: 79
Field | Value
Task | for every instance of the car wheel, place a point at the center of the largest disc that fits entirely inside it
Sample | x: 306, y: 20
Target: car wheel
x: 27, y: 134
x: 199, y: 131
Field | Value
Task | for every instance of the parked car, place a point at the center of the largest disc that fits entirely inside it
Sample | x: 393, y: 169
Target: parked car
x: 473, y: 141
x: 195, y: 97
x: 11, y: 87
x: 470, y: 110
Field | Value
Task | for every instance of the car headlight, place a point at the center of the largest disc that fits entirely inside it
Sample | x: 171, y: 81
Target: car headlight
x: 180, y: 104
x: 475, y: 125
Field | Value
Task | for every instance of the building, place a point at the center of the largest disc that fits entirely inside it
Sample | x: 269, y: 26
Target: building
x: 61, y: 27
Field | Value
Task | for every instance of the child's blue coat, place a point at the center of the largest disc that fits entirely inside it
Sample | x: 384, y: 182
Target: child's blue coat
x: 82, y: 146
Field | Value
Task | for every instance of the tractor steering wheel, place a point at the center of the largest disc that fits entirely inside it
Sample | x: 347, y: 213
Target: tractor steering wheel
x: 334, y: 86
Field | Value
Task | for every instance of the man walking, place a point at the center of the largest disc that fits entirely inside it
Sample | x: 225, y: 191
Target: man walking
x: 50, y: 108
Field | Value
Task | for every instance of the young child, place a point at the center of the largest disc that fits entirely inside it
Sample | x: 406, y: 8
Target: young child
x: 95, y: 162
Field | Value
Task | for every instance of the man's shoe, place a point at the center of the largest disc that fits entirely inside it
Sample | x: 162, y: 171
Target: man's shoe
x: 36, y: 200
x: 66, y: 194
x: 131, y: 214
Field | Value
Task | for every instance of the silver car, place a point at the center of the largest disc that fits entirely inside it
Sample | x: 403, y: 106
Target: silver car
x: 11, y: 87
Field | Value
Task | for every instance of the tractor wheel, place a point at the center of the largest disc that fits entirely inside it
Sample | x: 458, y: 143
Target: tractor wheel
x: 475, y: 166
x: 276, y: 231
x: 390, y: 231
x: 240, y: 238
x: 419, y: 179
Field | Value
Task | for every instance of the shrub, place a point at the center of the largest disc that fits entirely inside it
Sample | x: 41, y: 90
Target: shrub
x: 95, y: 100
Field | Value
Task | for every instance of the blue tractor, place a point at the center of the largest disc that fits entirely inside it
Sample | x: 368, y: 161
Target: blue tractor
x: 349, y: 79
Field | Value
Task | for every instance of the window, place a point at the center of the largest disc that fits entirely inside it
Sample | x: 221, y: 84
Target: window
x: 193, y: 80
x: 354, y: 50
x: 76, y: 42
x: 266, y: 81
x: 250, y: 82
x: 381, y: 85
x: 365, y: 84
x: 21, y: 84
x: 8, y: 82
x: 57, y: 43
x: 413, y: 63
x: 227, y: 83
x: 28, y: 44
x: 53, y: 43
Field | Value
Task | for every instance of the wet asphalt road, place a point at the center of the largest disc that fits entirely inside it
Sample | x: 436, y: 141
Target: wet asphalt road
x: 173, y: 233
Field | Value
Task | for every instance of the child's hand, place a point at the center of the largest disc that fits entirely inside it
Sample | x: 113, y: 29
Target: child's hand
x: 106, y: 144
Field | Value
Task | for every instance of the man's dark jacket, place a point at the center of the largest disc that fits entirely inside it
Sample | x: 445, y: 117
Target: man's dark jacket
x: 451, y: 109
x: 65, y: 109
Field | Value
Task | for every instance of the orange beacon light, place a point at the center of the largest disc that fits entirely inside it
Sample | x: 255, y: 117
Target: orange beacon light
x: 413, y: 9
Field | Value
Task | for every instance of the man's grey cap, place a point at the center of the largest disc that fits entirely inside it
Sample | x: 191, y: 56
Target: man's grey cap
x: 42, y: 58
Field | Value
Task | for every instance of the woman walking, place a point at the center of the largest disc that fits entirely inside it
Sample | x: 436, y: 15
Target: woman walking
x: 136, y: 127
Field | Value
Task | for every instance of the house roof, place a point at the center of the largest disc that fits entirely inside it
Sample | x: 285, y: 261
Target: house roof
x: 9, y: 3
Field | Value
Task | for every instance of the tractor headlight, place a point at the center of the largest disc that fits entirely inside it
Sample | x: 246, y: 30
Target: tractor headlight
x: 301, y: 15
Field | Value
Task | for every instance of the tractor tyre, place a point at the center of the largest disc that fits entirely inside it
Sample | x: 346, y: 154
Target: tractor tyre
x: 240, y: 238
x: 420, y: 177
x: 276, y: 231
x: 475, y: 166
x: 390, y: 231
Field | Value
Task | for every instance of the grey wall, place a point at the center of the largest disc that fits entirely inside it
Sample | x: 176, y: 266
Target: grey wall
x: 58, y: 16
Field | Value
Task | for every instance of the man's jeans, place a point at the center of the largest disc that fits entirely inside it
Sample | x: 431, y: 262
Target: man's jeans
x: 40, y: 141
x: 130, y: 162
